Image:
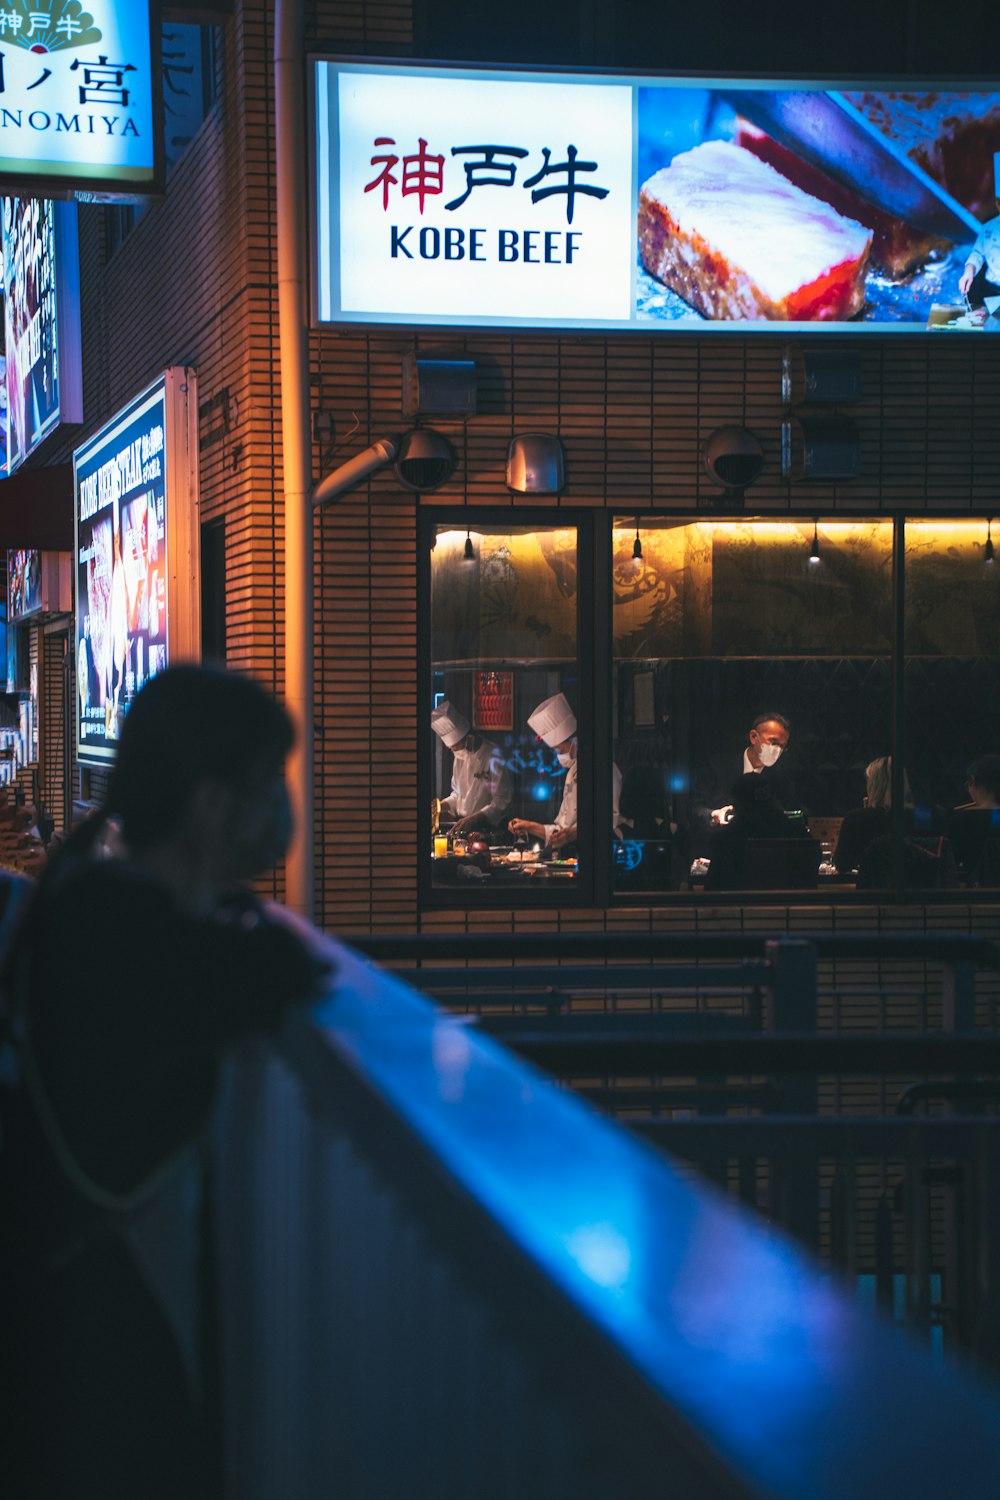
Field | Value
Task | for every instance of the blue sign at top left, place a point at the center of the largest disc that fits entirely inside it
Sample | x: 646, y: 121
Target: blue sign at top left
x: 79, y: 97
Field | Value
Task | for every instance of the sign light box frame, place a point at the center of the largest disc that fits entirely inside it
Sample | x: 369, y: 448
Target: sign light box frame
x: 174, y: 397
x: 365, y: 276
x: 33, y: 123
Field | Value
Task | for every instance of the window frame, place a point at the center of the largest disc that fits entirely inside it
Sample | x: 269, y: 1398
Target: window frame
x: 596, y: 663
x: 586, y: 888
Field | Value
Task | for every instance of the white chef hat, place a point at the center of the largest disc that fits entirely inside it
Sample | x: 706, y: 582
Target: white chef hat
x: 553, y: 721
x: 449, y: 723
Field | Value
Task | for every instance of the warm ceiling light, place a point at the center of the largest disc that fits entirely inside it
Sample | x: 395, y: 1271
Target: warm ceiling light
x: 468, y: 551
x: 637, y: 546
x: 988, y: 548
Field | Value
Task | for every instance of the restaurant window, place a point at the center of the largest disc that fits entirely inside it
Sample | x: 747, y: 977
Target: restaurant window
x: 951, y: 795
x: 743, y: 647
x: 505, y: 720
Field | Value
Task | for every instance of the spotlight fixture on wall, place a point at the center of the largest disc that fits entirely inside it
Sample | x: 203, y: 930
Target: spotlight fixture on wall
x: 362, y: 466
x: 988, y: 545
x: 819, y: 448
x: 425, y: 461
x: 444, y: 387
x: 536, y: 464
x: 734, y: 458
x: 820, y: 376
x: 814, y: 556
x: 468, y: 551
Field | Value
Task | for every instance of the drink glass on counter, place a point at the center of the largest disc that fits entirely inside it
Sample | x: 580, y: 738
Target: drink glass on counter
x: 440, y: 846
x: 459, y: 846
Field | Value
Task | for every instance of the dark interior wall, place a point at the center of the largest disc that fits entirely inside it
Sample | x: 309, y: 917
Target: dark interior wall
x: 854, y: 38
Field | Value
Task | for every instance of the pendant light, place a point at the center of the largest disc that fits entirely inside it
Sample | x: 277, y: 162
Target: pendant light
x: 814, y: 556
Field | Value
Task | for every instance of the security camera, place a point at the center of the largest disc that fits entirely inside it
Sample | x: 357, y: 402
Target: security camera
x: 733, y: 457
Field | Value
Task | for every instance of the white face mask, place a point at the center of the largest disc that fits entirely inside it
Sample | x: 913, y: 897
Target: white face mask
x: 565, y: 758
x: 770, y: 754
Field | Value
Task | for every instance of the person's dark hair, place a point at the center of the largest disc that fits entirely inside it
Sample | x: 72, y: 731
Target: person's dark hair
x: 187, y: 724
x: 985, y: 772
x: 772, y: 719
x: 190, y: 724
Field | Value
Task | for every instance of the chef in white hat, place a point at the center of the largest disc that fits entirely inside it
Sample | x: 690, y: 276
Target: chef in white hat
x: 980, y: 279
x: 555, y: 723
x: 480, y: 782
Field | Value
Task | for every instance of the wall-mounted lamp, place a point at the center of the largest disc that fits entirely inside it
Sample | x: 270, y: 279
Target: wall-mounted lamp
x: 988, y: 546
x: 536, y: 464
x: 813, y: 376
x: 444, y: 387
x: 734, y: 458
x: 361, y: 466
x: 814, y: 556
x: 819, y: 448
x: 423, y: 460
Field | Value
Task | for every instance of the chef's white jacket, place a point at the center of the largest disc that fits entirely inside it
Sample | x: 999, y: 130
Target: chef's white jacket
x: 566, y: 816
x: 480, y: 784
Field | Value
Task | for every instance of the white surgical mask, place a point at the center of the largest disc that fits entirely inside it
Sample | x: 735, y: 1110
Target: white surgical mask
x: 565, y: 758
x: 770, y: 754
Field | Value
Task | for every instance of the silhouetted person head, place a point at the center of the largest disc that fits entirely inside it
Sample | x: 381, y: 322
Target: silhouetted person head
x: 200, y: 768
x: 878, y: 784
x: 984, y: 781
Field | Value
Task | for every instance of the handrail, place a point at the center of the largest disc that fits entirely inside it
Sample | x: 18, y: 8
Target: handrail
x: 664, y: 1044
x: 665, y: 1331
x: 945, y: 947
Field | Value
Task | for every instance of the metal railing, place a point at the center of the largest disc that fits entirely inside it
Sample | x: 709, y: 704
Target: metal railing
x: 751, y: 1084
x: 443, y: 1275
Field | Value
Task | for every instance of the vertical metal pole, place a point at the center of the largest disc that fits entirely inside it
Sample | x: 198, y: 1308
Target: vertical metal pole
x: 897, y: 730
x: 289, y: 93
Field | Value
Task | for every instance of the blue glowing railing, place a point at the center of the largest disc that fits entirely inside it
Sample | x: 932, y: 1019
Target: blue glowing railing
x: 445, y: 1276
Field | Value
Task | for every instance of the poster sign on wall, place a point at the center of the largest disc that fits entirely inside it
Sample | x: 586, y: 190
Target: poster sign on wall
x: 24, y: 583
x: 452, y: 196
x: 41, y: 322
x: 135, y: 486
x: 80, y: 96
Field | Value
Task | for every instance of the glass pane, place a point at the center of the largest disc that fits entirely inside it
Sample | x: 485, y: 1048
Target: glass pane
x: 733, y: 642
x: 508, y: 760
x: 952, y: 691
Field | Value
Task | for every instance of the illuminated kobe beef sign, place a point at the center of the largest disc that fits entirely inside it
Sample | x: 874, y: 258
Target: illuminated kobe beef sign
x: 447, y: 196
x: 459, y: 197
x: 135, y: 484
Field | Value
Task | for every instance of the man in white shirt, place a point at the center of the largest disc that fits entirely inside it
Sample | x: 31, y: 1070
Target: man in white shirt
x: 981, y: 277
x: 711, y: 800
x: 481, y: 788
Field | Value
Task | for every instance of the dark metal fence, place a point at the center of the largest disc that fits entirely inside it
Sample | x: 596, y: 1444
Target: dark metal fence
x: 728, y: 1051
